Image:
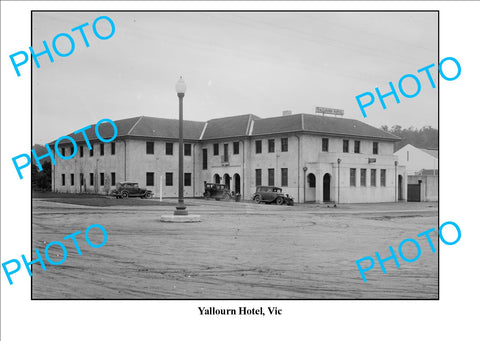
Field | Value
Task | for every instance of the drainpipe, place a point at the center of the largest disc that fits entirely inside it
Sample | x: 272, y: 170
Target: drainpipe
x: 194, y: 174
x: 243, y: 170
x: 305, y: 184
x: 338, y: 180
x: 125, y: 161
x: 298, y: 168
x: 396, y: 179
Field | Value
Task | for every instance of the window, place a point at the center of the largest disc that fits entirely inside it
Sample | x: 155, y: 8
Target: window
x: 91, y: 150
x: 215, y: 149
x: 271, y: 147
x: 353, y: 176
x: 63, y: 151
x: 81, y: 179
x: 149, y: 178
x: 187, y: 149
x: 72, y: 150
x: 225, y: 152
x: 81, y: 151
x: 187, y: 179
x: 258, y: 177
x: 258, y: 146
x: 363, y: 177
x: 205, y: 158
x: 114, y: 178
x: 168, y: 179
x: 375, y: 147
x: 236, y: 147
x: 112, y: 148
x: 345, y: 145
x: 383, y: 177
x: 284, y: 143
x: 150, y: 147
x: 63, y: 179
x: 168, y: 148
x: 271, y: 177
x: 324, y: 145
x: 373, y: 177
x: 91, y: 179
x: 408, y: 156
x: 102, y: 149
x: 357, y: 147
x: 102, y: 179
x: 284, y: 177
x: 72, y: 179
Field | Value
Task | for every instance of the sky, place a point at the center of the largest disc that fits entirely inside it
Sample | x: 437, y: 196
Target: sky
x: 233, y: 63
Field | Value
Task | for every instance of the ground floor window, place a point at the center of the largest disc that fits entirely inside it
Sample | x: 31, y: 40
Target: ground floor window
x: 373, y: 177
x: 63, y: 179
x: 363, y: 177
x: 168, y: 179
x: 102, y: 179
x: 114, y: 179
x: 187, y: 179
x: 258, y: 177
x: 149, y: 179
x: 72, y: 179
x: 353, y: 176
x: 271, y: 177
x: 383, y: 177
x: 284, y: 177
x: 91, y: 179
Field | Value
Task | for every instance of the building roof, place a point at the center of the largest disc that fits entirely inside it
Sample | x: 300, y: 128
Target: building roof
x: 319, y: 124
x: 432, y: 152
x: 427, y: 172
x: 235, y: 126
x: 228, y: 126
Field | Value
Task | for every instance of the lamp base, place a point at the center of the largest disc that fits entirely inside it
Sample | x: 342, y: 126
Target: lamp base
x: 181, y: 210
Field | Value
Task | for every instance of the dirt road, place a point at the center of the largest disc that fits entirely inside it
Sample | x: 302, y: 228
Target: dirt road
x: 238, y: 251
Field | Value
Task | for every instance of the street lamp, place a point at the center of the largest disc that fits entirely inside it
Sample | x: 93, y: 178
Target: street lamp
x: 180, y: 88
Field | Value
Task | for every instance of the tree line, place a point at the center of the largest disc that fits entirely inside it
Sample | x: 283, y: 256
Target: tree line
x: 425, y: 137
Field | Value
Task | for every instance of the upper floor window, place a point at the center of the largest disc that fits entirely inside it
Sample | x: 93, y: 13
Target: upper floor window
x: 204, y: 158
x: 346, y: 144
x: 169, y: 148
x: 375, y: 147
x: 187, y: 149
x: 324, y: 145
x: 215, y: 149
x: 271, y: 146
x: 284, y: 142
x: 112, y: 148
x: 258, y: 146
x: 81, y: 151
x: 236, y: 147
x: 91, y: 150
x: 357, y: 147
x: 150, y: 147
x: 63, y: 151
x: 72, y: 150
x: 102, y: 149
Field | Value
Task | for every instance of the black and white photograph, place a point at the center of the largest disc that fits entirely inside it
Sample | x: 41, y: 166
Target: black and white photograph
x: 235, y: 155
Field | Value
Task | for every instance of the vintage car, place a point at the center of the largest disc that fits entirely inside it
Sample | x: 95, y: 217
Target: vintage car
x: 270, y: 194
x: 130, y: 189
x: 216, y: 191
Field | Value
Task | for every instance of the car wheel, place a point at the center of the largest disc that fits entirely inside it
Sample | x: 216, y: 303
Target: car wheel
x: 257, y: 199
x: 148, y: 195
x: 207, y: 195
x: 279, y: 201
x: 124, y: 194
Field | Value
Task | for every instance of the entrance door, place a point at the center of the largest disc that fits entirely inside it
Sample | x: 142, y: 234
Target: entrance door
x: 413, y: 192
x: 400, y: 187
x: 226, y: 178
x: 236, y: 180
x: 310, y: 194
x: 326, y: 187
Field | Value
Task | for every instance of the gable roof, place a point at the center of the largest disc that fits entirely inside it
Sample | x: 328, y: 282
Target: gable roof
x: 319, y: 124
x: 228, y: 126
x: 432, y: 152
x: 234, y: 126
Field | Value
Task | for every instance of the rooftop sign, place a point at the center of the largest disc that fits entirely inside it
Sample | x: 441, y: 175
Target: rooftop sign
x: 329, y: 111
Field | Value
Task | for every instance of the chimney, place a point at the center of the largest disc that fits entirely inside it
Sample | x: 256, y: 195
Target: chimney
x: 286, y: 112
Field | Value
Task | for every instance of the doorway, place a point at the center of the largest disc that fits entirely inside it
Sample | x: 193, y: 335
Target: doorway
x: 310, y: 194
x: 326, y: 187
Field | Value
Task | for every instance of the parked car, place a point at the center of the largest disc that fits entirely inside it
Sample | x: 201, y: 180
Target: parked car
x: 131, y: 189
x: 216, y: 191
x: 270, y: 194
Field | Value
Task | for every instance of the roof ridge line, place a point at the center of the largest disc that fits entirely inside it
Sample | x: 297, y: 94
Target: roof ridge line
x: 203, y: 131
x: 139, y: 119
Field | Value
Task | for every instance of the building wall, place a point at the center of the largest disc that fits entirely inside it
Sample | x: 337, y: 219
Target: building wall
x: 428, y: 187
x: 415, y: 159
x: 303, y: 159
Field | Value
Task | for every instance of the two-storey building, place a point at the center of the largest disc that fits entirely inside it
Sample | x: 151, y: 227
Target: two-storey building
x: 313, y: 158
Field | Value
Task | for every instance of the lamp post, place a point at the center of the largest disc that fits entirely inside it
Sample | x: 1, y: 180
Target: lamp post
x: 338, y: 180
x: 180, y: 88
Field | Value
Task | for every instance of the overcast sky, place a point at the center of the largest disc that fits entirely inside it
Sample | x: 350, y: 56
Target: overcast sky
x: 233, y: 63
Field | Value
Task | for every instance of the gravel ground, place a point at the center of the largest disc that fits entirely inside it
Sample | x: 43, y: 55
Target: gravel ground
x: 238, y: 251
